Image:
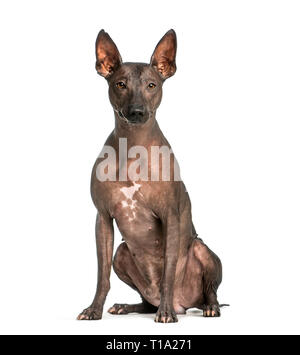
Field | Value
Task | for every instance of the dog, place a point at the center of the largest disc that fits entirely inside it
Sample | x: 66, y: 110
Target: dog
x: 161, y: 257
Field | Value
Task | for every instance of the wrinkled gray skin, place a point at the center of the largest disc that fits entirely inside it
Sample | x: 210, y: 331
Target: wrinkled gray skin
x: 161, y: 258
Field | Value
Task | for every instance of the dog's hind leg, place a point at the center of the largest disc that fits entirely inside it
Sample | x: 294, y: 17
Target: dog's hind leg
x: 123, y: 308
x: 212, y: 277
x: 124, y: 267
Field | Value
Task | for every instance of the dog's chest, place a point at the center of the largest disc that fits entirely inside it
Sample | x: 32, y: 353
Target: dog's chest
x: 127, y: 202
x: 131, y: 208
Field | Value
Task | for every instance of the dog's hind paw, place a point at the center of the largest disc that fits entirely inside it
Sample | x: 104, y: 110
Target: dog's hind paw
x: 211, y: 310
x: 118, y: 308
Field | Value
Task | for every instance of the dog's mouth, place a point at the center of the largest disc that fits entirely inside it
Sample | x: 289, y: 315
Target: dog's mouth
x: 122, y: 116
x: 133, y: 121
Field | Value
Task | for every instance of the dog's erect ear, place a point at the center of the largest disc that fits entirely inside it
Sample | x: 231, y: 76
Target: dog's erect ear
x: 163, y: 57
x: 107, y: 54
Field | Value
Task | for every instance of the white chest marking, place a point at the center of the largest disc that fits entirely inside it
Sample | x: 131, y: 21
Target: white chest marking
x: 130, y: 203
x: 130, y: 191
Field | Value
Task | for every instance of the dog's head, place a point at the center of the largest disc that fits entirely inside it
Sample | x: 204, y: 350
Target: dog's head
x: 135, y: 89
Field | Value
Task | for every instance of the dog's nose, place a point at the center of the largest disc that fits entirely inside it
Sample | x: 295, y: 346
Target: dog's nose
x: 136, y: 113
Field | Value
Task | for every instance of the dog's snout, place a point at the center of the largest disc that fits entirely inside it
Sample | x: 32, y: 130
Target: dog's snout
x: 136, y: 113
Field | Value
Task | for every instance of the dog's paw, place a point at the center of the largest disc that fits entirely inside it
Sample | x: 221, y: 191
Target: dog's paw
x: 166, y: 315
x: 211, y: 310
x: 118, y: 308
x: 91, y: 313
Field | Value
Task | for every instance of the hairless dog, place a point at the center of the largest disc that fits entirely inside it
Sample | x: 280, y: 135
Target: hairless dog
x: 161, y: 257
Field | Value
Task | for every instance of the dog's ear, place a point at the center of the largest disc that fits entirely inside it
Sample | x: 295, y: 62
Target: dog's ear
x: 107, y: 55
x: 163, y: 57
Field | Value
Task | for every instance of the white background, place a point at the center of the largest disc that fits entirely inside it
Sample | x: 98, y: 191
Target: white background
x: 231, y: 113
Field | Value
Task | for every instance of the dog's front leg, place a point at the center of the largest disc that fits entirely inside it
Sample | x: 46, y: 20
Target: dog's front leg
x: 104, y: 241
x: 166, y: 312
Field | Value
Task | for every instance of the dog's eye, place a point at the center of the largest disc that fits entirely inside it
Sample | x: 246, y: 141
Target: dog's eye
x: 120, y: 85
x: 151, y: 86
